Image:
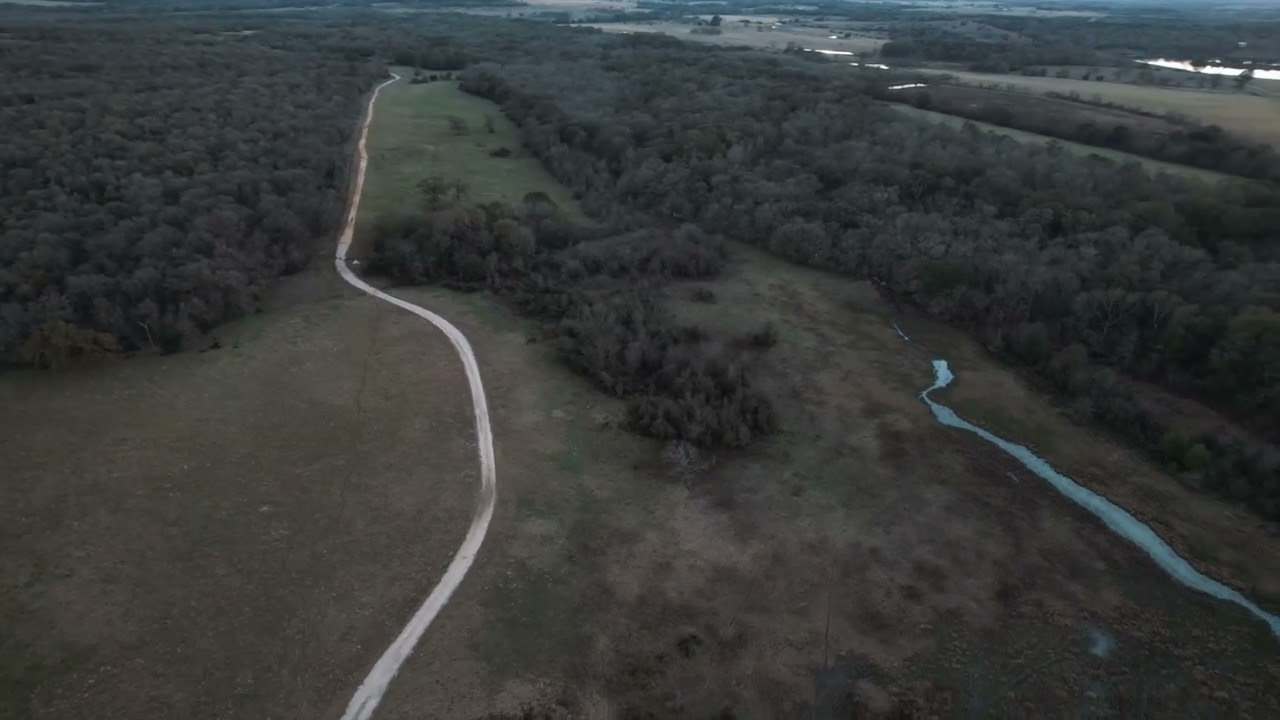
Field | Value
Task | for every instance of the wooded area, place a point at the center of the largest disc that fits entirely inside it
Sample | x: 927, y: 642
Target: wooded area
x: 1079, y: 269
x: 157, y: 177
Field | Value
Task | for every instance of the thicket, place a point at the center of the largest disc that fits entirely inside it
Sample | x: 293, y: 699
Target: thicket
x: 596, y: 296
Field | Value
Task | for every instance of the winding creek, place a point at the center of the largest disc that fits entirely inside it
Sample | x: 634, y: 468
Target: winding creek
x: 1118, y: 519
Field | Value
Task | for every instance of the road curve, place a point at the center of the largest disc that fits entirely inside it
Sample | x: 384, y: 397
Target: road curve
x: 370, y: 692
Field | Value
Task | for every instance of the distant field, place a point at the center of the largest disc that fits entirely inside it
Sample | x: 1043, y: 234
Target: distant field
x: 758, y: 36
x: 411, y: 139
x: 1248, y: 115
x: 1072, y: 147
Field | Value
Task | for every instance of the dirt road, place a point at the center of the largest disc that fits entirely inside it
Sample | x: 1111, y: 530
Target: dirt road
x: 370, y: 692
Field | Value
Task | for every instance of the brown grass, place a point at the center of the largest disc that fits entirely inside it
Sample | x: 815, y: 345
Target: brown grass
x: 947, y: 572
x: 237, y: 533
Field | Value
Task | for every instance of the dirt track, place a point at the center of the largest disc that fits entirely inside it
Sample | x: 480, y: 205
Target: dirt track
x: 374, y: 686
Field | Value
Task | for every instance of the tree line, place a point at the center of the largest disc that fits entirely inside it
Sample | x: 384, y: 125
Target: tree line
x: 1184, y: 142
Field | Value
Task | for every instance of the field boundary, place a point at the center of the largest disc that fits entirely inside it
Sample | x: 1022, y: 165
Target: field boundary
x: 369, y: 694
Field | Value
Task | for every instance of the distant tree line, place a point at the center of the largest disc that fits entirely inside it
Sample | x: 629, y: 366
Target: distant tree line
x: 595, y: 294
x: 1191, y: 143
x: 1087, y: 271
x: 1212, y: 32
x: 923, y: 42
x: 156, y: 178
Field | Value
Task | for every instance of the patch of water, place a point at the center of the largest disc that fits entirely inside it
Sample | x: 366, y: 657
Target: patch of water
x: 1100, y: 643
x: 1211, y: 69
x: 1113, y: 516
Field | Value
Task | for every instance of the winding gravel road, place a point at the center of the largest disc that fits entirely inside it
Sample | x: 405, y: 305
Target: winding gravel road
x: 370, y: 692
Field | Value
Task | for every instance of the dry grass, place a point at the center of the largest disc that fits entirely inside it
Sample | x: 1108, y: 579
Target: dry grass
x: 237, y: 533
x: 1248, y: 115
x: 609, y: 586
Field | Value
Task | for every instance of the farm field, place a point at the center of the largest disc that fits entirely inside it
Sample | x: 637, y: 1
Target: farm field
x: 1154, y: 166
x: 893, y: 558
x: 1249, y: 115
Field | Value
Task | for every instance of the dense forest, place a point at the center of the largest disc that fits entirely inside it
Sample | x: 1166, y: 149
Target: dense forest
x: 157, y: 176
x: 1084, y: 270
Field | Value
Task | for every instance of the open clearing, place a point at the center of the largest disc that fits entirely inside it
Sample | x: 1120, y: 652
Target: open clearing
x: 946, y: 571
x: 412, y: 139
x: 1154, y: 166
x: 237, y: 533
x: 1248, y: 115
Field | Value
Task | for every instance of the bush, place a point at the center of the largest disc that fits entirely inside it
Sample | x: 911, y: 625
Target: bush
x: 501, y: 152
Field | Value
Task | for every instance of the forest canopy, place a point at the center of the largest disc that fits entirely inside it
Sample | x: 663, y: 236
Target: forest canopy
x: 157, y: 176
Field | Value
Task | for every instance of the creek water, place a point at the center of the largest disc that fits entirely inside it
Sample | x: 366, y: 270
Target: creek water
x: 1113, y: 516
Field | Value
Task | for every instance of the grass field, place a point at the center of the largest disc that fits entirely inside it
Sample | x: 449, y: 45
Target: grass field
x: 412, y: 139
x: 1249, y: 115
x: 236, y: 533
x: 609, y: 586
x: 1154, y: 166
x: 240, y: 533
